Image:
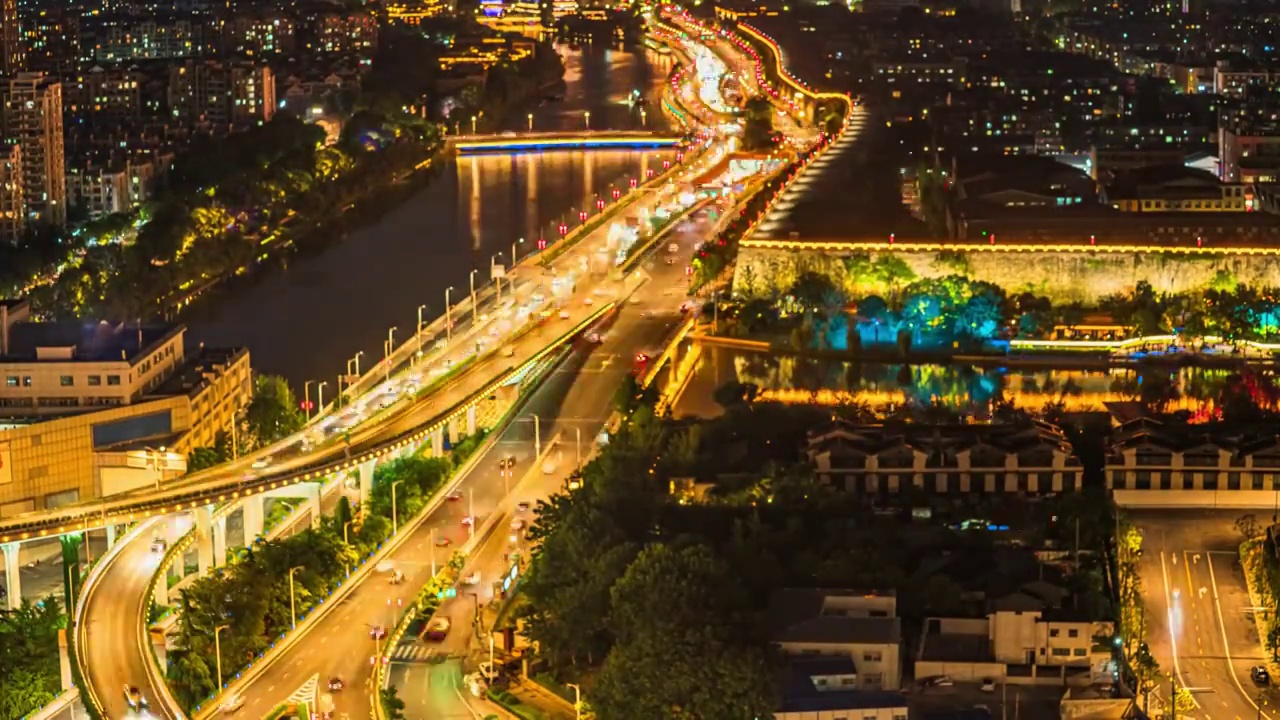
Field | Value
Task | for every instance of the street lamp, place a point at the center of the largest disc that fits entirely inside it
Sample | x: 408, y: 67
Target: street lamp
x: 643, y: 120
x: 395, y: 519
x: 473, y: 124
x: 577, y: 700
x: 473, y: 298
x: 420, y: 309
x: 448, y: 324
x: 391, y: 340
x: 497, y: 282
x: 586, y: 118
x: 530, y: 122
x: 217, y: 650
x: 306, y: 397
x: 320, y: 396
x: 356, y: 359
x: 293, y: 607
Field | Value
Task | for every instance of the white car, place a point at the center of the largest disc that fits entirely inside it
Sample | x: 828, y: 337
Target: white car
x: 261, y: 463
x: 232, y: 704
x: 517, y: 525
x: 472, y: 579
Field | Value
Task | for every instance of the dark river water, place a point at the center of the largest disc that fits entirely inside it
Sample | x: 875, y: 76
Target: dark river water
x: 303, y: 322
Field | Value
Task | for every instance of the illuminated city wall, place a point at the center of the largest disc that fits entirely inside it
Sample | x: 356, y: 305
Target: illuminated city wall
x: 1061, y: 275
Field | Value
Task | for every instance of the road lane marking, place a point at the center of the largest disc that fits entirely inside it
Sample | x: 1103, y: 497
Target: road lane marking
x: 1226, y: 644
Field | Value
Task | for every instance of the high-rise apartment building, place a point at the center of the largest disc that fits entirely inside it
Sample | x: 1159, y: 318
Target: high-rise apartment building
x: 222, y: 95
x: 13, y: 221
x: 31, y: 108
x: 11, y: 56
x: 51, y: 40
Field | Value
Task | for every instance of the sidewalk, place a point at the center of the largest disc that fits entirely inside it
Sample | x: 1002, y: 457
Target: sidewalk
x: 554, y: 706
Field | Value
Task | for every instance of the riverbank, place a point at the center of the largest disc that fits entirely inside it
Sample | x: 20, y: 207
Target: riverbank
x: 1082, y: 359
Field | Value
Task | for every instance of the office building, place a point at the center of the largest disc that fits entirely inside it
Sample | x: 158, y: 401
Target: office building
x: 11, y: 55
x: 80, y: 401
x: 13, y: 221
x: 32, y: 111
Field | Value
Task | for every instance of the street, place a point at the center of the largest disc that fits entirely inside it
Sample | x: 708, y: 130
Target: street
x: 577, y: 395
x: 1193, y: 586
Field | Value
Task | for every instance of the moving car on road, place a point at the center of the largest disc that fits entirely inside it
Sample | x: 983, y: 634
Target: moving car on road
x: 335, y: 684
x: 438, y: 630
x: 1259, y: 675
x: 133, y: 696
x: 232, y: 704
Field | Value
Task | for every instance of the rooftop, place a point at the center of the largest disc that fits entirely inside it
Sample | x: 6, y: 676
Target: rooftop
x: 797, y: 616
x: 800, y: 694
x: 77, y: 341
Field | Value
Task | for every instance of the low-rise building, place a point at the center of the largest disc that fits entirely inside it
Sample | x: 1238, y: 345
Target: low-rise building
x: 823, y: 688
x: 81, y: 403
x: 1146, y: 455
x: 1027, y: 636
x: 1034, y: 458
x: 1175, y: 188
x: 860, y: 626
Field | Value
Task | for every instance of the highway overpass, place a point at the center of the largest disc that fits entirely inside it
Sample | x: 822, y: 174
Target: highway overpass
x: 512, y: 142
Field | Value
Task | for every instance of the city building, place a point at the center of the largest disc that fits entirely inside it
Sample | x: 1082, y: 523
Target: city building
x: 1249, y: 152
x: 1031, y: 458
x: 259, y: 35
x: 13, y: 220
x: 1175, y: 188
x: 1148, y: 455
x: 352, y: 32
x: 222, y: 96
x: 1029, y: 635
x: 150, y: 39
x: 855, y: 625
x: 103, y: 95
x: 31, y: 105
x: 89, y: 410
x: 11, y: 53
x: 119, y: 188
x: 814, y: 687
x: 51, y: 39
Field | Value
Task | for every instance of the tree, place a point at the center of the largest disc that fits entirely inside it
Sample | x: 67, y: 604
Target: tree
x: 686, y: 647
x: 273, y: 413
x: 757, y: 129
x: 392, y: 705
x: 1248, y: 527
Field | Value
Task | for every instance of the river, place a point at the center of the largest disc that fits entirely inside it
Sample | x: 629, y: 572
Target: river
x: 965, y: 388
x: 303, y: 317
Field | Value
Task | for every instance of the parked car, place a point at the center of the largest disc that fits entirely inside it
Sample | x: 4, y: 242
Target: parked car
x: 1259, y: 675
x: 988, y: 685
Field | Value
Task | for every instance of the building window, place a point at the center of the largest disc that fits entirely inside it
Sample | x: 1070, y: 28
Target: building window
x: 11, y: 381
x: 1061, y: 652
x: 1079, y: 652
x: 872, y: 679
x: 1054, y: 632
x: 871, y: 656
x: 26, y: 381
x: 1073, y: 633
x: 95, y: 379
x: 66, y: 381
x: 113, y: 379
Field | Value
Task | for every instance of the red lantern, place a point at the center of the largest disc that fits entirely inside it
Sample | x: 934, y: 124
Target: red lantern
x: 564, y: 228
x: 582, y: 215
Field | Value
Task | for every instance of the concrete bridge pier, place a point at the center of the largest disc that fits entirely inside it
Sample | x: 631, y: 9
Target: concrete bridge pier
x: 365, y: 470
x: 471, y: 420
x: 12, y: 581
x: 204, y: 539
x: 251, y: 512
x: 437, y: 442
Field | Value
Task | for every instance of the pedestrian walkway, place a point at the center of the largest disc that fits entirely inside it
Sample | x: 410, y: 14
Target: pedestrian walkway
x: 414, y: 652
x: 554, y: 706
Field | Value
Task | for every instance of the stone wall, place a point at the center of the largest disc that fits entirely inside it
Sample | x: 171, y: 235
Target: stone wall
x: 1061, y: 276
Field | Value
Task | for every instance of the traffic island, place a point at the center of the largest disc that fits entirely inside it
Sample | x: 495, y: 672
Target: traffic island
x: 1262, y: 577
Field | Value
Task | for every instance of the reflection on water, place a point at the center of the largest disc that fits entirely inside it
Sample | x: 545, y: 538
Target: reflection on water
x: 305, y: 322
x: 966, y: 388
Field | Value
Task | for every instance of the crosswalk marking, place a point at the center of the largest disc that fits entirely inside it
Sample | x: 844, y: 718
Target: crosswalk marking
x: 307, y: 692
x: 412, y: 652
